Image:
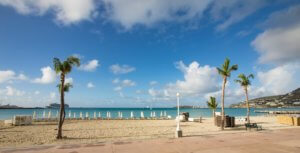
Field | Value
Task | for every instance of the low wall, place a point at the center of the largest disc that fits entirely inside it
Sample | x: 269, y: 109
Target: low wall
x: 288, y: 120
x: 22, y: 120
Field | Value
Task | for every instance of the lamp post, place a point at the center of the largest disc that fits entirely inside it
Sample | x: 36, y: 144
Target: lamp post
x: 178, y: 132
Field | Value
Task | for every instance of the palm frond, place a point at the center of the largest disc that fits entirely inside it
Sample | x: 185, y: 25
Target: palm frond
x: 250, y: 76
x: 212, y: 104
x: 233, y: 68
x: 238, y: 81
x: 226, y: 69
x: 244, y: 81
x: 221, y: 72
x: 67, y: 67
x: 57, y: 65
x: 73, y: 60
x: 67, y: 87
x: 226, y: 65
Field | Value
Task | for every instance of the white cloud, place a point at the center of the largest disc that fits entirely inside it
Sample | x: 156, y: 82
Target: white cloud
x: 69, y: 80
x: 66, y: 11
x: 118, y: 88
x: 48, y: 76
x: 121, y: 69
x: 22, y: 77
x: 280, y: 80
x: 10, y: 91
x: 128, y: 83
x: 130, y: 13
x: 37, y: 92
x: 9, y: 75
x: 279, y: 44
x: 152, y: 83
x: 90, y: 85
x: 230, y: 12
x: 123, y: 84
x: 148, y: 12
x: 6, y: 75
x: 197, y: 79
x: 90, y: 66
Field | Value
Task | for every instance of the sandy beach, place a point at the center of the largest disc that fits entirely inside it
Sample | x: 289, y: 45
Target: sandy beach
x: 94, y: 131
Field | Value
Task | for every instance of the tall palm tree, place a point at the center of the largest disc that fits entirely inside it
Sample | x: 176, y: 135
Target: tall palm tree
x: 63, y: 68
x: 225, y: 72
x: 212, y: 104
x: 244, y: 81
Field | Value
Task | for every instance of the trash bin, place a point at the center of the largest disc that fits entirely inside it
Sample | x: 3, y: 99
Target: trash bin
x: 232, y: 120
x: 186, y: 115
x: 228, y: 121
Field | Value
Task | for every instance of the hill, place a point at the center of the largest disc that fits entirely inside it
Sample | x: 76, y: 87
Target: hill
x: 291, y: 99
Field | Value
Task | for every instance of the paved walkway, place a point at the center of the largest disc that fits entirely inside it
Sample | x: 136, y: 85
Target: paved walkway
x: 279, y: 141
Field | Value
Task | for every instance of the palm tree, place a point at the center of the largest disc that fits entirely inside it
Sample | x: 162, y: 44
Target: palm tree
x: 63, y: 68
x: 225, y: 72
x: 244, y: 81
x: 67, y: 87
x: 212, y: 104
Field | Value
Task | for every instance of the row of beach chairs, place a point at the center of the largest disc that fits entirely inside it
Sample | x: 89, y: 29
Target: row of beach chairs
x: 69, y: 116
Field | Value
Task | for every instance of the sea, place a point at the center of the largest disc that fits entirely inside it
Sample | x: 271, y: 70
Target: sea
x: 126, y: 112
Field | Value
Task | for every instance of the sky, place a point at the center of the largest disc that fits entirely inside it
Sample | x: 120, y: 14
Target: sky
x: 139, y: 53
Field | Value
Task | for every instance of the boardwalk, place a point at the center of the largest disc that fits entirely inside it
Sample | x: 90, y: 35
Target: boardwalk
x: 278, y: 141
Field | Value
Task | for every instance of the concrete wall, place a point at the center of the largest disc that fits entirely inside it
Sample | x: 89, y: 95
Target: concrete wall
x: 288, y: 120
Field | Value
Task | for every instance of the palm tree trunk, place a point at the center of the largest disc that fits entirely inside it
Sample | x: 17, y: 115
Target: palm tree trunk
x: 223, y: 96
x: 248, y: 108
x: 62, y: 107
x: 214, y: 115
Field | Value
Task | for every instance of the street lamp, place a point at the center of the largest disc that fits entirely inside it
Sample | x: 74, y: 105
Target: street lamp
x: 178, y: 132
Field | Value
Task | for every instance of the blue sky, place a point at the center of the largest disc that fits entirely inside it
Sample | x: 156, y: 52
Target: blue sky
x: 138, y: 53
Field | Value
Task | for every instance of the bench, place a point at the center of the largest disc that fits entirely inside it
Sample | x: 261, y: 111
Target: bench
x: 253, y: 125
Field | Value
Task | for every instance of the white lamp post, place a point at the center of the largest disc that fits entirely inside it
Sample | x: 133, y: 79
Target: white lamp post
x: 178, y: 132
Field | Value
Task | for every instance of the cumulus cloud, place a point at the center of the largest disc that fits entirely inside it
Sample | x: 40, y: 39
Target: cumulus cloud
x: 121, y: 69
x: 10, y: 91
x: 66, y: 11
x: 281, y: 79
x: 279, y: 44
x: 48, y: 76
x: 8, y: 75
x: 198, y: 81
x: 90, y: 85
x: 123, y: 84
x: 90, y: 66
x: 128, y: 83
x: 148, y: 12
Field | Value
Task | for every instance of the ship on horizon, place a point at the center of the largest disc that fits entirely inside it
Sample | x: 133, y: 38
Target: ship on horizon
x: 56, y: 105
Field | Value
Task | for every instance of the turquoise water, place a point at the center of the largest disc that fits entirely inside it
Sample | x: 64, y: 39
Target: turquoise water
x: 196, y: 112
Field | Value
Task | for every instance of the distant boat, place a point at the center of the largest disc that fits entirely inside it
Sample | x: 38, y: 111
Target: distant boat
x: 56, y: 105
